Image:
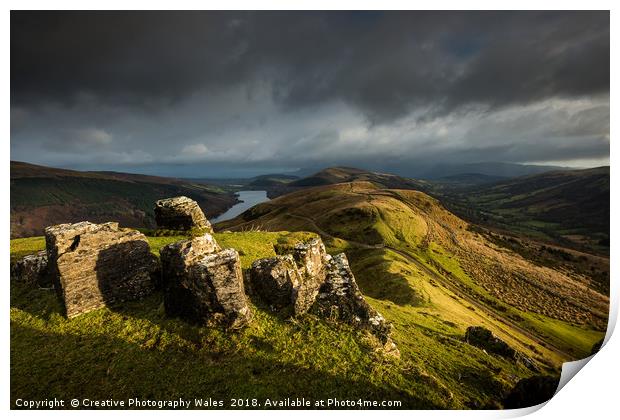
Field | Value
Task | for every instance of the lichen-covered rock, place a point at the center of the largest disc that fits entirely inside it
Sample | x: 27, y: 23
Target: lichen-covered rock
x: 311, y: 257
x: 180, y: 213
x: 312, y: 260
x: 32, y: 270
x: 275, y: 280
x: 340, y: 299
x: 94, y: 265
x: 293, y: 279
x: 485, y: 339
x: 203, y: 284
x: 181, y: 254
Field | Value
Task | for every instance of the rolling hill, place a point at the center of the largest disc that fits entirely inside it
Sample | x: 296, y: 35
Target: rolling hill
x: 43, y: 196
x: 413, y: 256
x: 339, y: 175
x: 271, y: 180
x: 567, y: 207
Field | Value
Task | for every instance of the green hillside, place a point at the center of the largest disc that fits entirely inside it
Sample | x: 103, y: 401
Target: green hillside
x: 42, y: 196
x: 424, y: 248
x: 337, y: 175
x: 571, y: 208
x: 271, y: 180
x: 567, y: 208
x: 135, y: 351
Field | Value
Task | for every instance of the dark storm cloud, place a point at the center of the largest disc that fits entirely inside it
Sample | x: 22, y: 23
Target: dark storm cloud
x: 382, y: 63
x: 231, y: 93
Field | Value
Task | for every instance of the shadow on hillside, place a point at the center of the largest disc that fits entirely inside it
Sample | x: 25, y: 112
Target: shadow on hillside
x: 389, y: 286
x: 38, y: 302
x: 66, y: 366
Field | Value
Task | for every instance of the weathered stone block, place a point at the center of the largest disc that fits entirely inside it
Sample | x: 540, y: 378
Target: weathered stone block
x: 203, y: 284
x: 312, y: 259
x: 339, y: 299
x: 180, y: 213
x: 293, y: 279
x: 93, y: 265
x: 32, y: 270
x: 275, y: 280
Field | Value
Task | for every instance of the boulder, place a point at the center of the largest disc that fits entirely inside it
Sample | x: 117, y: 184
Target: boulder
x: 340, y: 299
x: 486, y: 340
x: 275, y: 280
x: 293, y: 279
x: 32, y: 270
x: 312, y: 259
x: 311, y: 280
x: 94, y: 265
x: 532, y: 391
x: 180, y: 213
x: 203, y: 284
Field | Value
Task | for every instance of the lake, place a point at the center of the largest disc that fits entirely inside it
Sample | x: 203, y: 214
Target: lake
x: 248, y: 199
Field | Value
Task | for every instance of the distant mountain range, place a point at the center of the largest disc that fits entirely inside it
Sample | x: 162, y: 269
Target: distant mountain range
x: 436, y: 171
x: 490, y: 169
x: 43, y: 196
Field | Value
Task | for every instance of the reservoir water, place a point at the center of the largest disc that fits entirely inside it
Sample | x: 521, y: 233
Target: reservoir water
x: 248, y: 199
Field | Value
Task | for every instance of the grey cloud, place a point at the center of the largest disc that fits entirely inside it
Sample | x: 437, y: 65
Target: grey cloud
x: 385, y: 64
x: 222, y: 93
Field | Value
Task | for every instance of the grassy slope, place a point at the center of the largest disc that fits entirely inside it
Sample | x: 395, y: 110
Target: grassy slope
x: 360, y: 212
x: 138, y: 352
x: 42, y: 196
x: 569, y: 207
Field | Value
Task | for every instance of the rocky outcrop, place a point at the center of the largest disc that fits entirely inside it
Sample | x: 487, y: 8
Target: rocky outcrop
x: 486, y: 340
x: 311, y: 280
x: 340, y: 299
x: 310, y: 257
x: 532, y: 391
x: 180, y: 213
x: 293, y: 279
x: 32, y: 270
x: 312, y: 260
x: 94, y: 265
x: 275, y: 280
x: 203, y: 284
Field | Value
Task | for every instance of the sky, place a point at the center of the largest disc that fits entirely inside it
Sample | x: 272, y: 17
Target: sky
x: 233, y: 94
